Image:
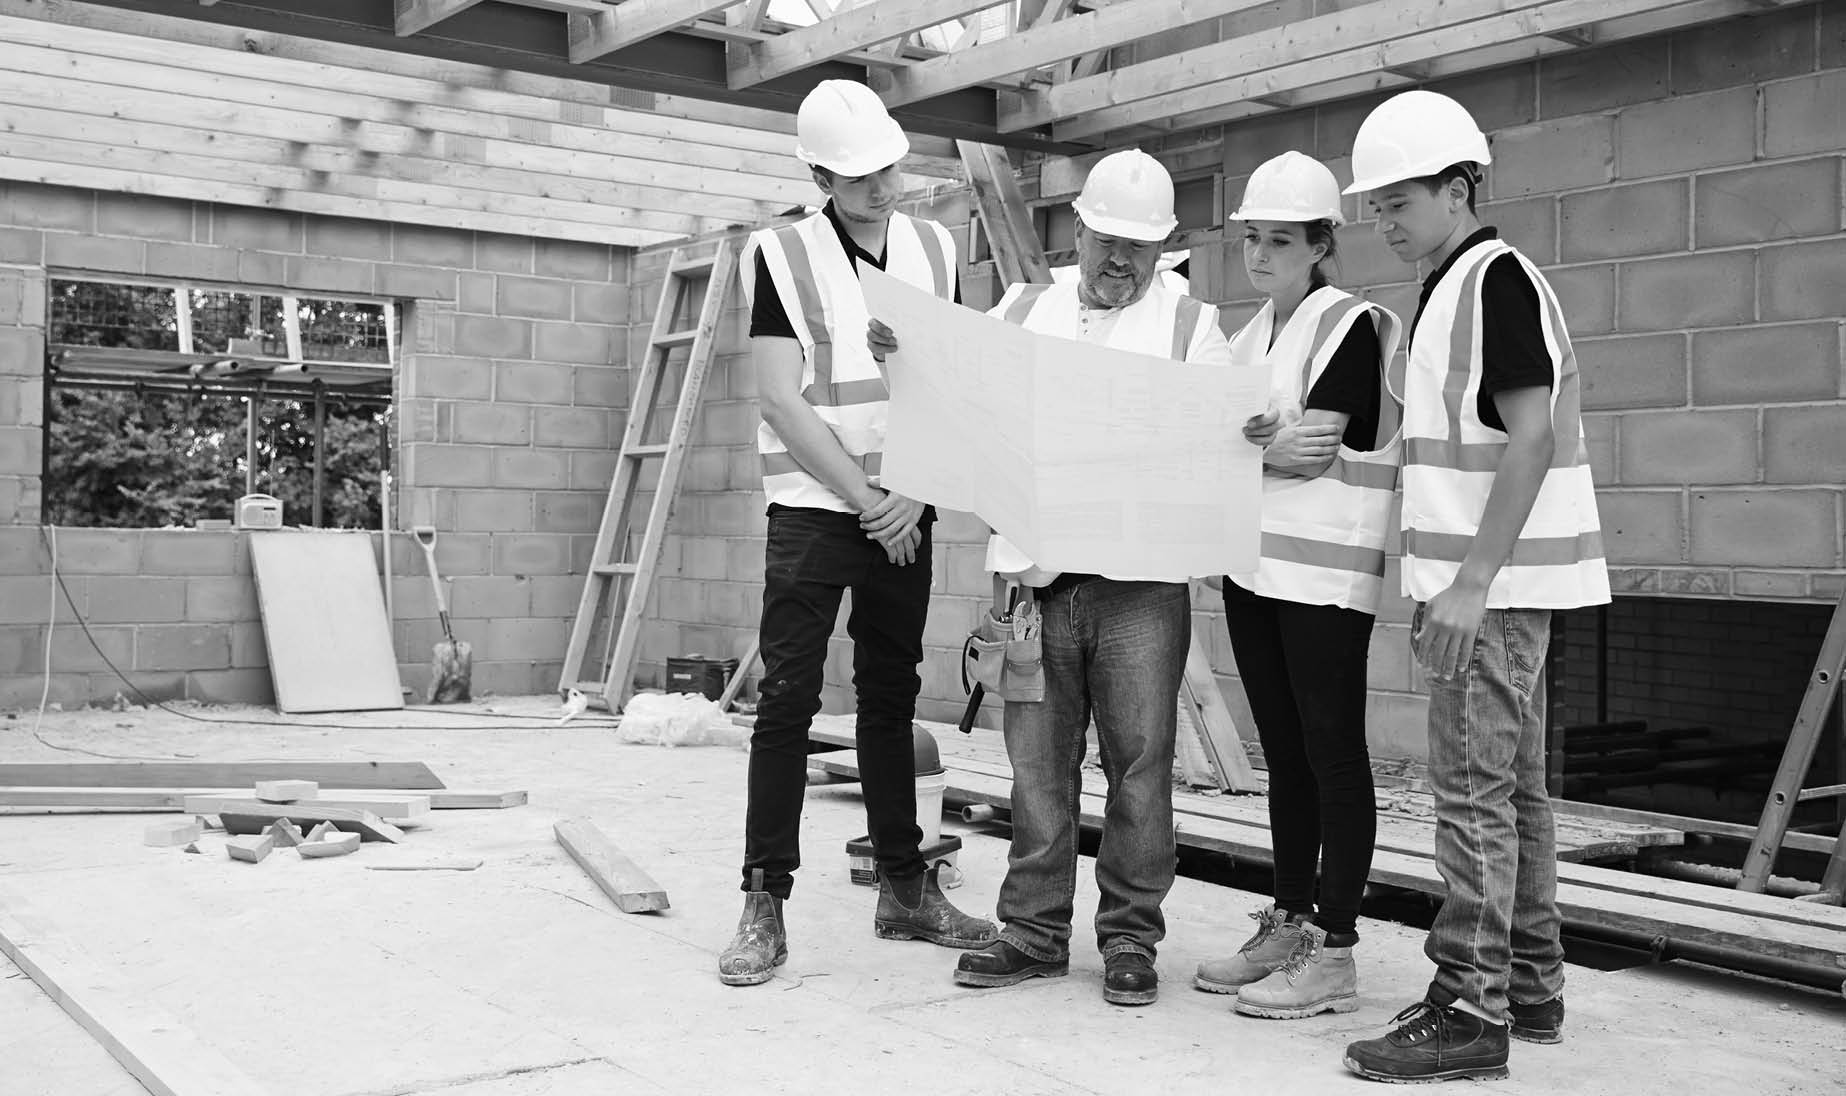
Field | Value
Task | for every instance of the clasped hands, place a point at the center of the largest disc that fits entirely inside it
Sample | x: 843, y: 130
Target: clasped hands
x: 887, y: 517
x: 1290, y: 445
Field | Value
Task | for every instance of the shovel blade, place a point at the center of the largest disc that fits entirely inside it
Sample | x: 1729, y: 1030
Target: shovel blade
x: 451, y: 672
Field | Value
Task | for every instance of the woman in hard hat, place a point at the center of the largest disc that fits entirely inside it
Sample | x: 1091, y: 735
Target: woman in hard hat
x: 1301, y: 623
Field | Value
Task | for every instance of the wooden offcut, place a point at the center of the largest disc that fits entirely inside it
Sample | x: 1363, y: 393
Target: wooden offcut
x: 324, y: 622
x: 1217, y: 730
x: 397, y: 808
x: 256, y: 817
x: 251, y: 847
x: 328, y: 845
x: 286, y: 791
x: 406, y: 775
x: 632, y: 889
x: 169, y: 834
x: 174, y: 799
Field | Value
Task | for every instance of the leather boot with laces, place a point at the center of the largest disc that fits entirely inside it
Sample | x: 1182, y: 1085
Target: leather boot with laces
x: 1268, y: 949
x: 915, y: 909
x: 1313, y: 979
x: 1432, y: 1043
x: 761, y: 943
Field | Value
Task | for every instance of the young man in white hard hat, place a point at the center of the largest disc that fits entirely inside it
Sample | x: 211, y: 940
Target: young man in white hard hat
x: 833, y: 528
x: 1500, y: 528
x: 1114, y: 647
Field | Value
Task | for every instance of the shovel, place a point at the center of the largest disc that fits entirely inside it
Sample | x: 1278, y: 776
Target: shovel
x: 451, y: 663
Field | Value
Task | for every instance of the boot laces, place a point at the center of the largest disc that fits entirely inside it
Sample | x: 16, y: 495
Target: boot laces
x: 1267, y: 922
x: 1306, y: 949
x: 1420, y: 1021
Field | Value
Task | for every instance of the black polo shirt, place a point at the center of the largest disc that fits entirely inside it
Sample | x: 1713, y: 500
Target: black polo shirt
x: 1350, y: 384
x: 1513, y: 353
x: 767, y: 314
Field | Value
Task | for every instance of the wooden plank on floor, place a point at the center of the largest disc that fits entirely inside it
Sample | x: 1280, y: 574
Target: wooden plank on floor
x: 631, y: 888
x: 157, y: 800
x: 163, y: 1054
x: 396, y: 808
x: 324, y: 622
x: 406, y: 775
x: 1742, y: 831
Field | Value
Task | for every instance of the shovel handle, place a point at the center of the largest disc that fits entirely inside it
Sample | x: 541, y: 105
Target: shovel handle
x: 426, y: 538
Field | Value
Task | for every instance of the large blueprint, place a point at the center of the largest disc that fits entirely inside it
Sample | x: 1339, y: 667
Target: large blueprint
x: 1088, y: 459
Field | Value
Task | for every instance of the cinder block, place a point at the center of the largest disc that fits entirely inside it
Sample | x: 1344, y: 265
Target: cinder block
x: 533, y: 382
x: 1362, y: 259
x: 40, y: 205
x: 1531, y: 225
x: 538, y: 468
x: 1691, y: 447
x: 1642, y: 527
x: 493, y: 336
x: 1688, y: 582
x: 447, y: 465
x: 504, y: 254
x: 440, y: 376
x: 597, y: 302
x: 1625, y: 221
x: 1688, y: 132
x: 327, y: 275
x: 256, y: 229
x: 1704, y: 290
x: 1388, y: 662
x: 731, y: 422
x: 413, y: 281
x: 555, y: 596
x: 599, y: 386
x: 22, y: 352
x: 1801, y: 116
x: 542, y: 298
x: 428, y: 246
x: 98, y: 551
x: 493, y: 511
x: 214, y: 599
x: 591, y: 344
x: 1770, y: 584
x: 1496, y: 97
x: 493, y: 423
x: 19, y: 450
x: 348, y: 238
x: 1250, y: 141
x: 1805, y: 445
x: 22, y: 693
x: 568, y: 511
x: 183, y: 647
x: 1601, y: 435
x: 705, y: 469
x: 132, y: 600
x: 1643, y: 371
x: 572, y: 259
x: 1793, y: 528
x: 743, y: 559
x: 571, y: 427
x: 1587, y: 296
x: 189, y: 552
x: 261, y: 267
x: 106, y: 254
x: 591, y: 471
x: 201, y: 261
x: 1769, y: 203
x: 1583, y: 80
x: 1335, y: 126
x: 491, y: 597
x: 1744, y: 50
x: 475, y: 292
x: 1562, y: 154
x: 19, y: 245
x: 1766, y: 364
x: 1804, y: 281
x: 532, y: 554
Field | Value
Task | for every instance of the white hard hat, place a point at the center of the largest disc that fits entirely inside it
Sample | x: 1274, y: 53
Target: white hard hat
x: 1412, y: 135
x: 844, y: 127
x: 1128, y: 194
x: 1291, y: 187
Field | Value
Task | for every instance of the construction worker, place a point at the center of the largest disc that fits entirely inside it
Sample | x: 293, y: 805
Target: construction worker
x: 1500, y: 528
x: 1301, y: 623
x: 1114, y: 647
x: 832, y: 528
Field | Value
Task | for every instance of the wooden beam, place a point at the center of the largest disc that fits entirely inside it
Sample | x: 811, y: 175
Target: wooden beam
x: 396, y: 808
x: 153, y: 1045
x: 845, y: 32
x: 632, y: 889
x: 631, y: 23
x: 413, y: 775
x: 1049, y: 44
x: 417, y: 15
x: 1004, y: 217
x: 157, y: 800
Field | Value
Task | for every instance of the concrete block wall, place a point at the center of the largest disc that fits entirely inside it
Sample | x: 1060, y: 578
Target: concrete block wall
x: 512, y: 385
x: 1684, y: 195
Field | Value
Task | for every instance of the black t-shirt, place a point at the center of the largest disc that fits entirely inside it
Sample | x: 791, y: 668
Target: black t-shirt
x: 769, y: 317
x: 1350, y: 384
x: 1513, y: 353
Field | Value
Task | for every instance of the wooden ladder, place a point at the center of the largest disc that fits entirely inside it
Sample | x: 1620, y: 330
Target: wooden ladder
x: 1020, y: 258
x: 617, y: 584
x: 1787, y: 791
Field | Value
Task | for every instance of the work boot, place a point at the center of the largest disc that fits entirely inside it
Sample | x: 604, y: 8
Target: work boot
x: 1129, y: 978
x: 1432, y: 1043
x: 1540, y: 1023
x: 915, y: 909
x: 1313, y: 979
x: 1274, y: 941
x: 761, y: 943
x: 1002, y: 964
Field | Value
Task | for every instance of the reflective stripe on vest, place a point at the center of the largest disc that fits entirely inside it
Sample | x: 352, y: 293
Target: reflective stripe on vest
x: 816, y: 283
x: 1023, y: 300
x: 1324, y: 537
x: 1451, y: 457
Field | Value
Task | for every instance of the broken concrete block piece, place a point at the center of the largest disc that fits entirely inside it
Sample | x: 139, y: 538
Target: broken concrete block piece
x: 334, y: 844
x: 192, y: 847
x: 172, y: 834
x: 285, y: 832
x: 286, y: 791
x: 250, y: 848
x: 322, y: 831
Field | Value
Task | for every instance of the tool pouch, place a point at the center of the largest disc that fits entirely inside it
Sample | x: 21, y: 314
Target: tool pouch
x: 1011, y: 669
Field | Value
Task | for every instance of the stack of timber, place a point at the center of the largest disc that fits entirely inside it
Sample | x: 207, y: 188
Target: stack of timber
x: 402, y: 791
x: 1802, y: 941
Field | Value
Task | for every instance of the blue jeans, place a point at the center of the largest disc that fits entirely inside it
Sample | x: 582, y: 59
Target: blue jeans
x: 1117, y: 651
x: 1497, y: 935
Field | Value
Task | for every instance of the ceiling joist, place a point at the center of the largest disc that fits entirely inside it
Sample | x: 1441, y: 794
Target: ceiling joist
x: 419, y: 15
x: 631, y: 23
x: 844, y: 32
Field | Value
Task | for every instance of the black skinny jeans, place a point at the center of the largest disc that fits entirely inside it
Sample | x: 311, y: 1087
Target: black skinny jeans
x: 812, y: 558
x: 1303, y: 668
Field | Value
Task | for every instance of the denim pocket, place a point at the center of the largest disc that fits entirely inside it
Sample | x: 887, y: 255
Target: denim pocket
x: 1527, y: 635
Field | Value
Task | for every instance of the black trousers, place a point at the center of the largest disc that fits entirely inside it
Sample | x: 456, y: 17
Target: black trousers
x: 812, y: 558
x: 1303, y: 667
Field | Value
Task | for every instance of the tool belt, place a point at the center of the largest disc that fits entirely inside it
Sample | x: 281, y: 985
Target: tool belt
x: 1004, y: 654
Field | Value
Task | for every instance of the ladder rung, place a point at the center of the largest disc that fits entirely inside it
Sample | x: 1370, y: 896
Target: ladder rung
x: 653, y: 449
x: 1827, y: 792
x: 677, y: 338
x: 589, y: 688
x: 693, y: 266
x: 614, y: 569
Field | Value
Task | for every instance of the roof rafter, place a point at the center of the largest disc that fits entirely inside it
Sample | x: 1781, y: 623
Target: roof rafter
x: 843, y: 33
x: 416, y: 15
x: 631, y: 23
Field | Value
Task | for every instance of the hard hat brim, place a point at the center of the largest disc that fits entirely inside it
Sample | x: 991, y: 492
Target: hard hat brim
x: 1125, y: 229
x: 888, y: 148
x: 1292, y: 216
x: 1414, y: 171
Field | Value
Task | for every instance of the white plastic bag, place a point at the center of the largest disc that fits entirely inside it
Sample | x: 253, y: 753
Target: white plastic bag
x: 678, y: 719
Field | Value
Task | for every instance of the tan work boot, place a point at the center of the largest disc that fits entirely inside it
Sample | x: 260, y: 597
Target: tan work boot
x: 928, y: 916
x: 1268, y: 949
x: 1313, y: 979
x: 761, y: 943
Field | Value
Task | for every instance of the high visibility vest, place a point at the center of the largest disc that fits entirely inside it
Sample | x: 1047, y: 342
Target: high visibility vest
x: 839, y: 377
x: 1451, y: 456
x: 1162, y: 323
x: 1324, y: 538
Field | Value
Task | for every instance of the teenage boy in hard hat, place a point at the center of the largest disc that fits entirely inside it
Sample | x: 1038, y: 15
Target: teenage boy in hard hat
x: 833, y: 528
x: 1114, y: 646
x: 1500, y: 528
